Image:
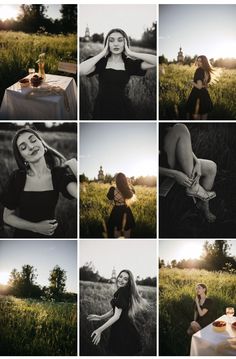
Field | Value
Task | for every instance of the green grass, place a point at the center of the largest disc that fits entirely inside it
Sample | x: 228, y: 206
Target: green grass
x: 174, y: 93
x: 95, y: 208
x: 95, y: 299
x: 177, y: 293
x: 66, y: 211
x: 141, y: 90
x: 35, y: 328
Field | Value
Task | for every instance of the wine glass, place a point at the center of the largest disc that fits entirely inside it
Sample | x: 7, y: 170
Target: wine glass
x: 229, y: 312
x: 31, y: 71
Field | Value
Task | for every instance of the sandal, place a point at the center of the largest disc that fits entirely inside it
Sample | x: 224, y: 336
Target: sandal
x: 199, y: 192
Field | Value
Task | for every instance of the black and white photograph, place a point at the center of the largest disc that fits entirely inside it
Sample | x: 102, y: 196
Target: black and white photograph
x: 117, y: 62
x: 118, y: 298
x: 197, y: 193
x: 38, y: 180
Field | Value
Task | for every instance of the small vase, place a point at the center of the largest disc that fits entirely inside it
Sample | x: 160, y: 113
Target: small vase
x: 41, y: 71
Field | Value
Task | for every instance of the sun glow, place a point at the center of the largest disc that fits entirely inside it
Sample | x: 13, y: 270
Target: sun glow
x: 4, y: 277
x: 191, y: 250
x: 8, y: 12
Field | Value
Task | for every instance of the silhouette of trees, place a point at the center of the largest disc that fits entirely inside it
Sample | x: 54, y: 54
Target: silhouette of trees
x: 23, y: 284
x: 69, y: 18
x: 57, y: 281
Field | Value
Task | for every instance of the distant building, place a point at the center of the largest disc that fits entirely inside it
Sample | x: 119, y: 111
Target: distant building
x: 87, y: 34
x: 100, y: 175
x: 180, y: 57
x: 113, y: 276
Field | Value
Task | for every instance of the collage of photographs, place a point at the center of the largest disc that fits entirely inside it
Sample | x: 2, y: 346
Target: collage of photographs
x: 138, y: 257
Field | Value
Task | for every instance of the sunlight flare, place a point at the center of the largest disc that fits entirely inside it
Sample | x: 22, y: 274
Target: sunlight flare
x: 8, y: 12
x: 4, y: 277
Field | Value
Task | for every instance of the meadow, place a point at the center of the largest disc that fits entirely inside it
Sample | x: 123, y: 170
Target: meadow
x: 179, y: 218
x: 176, y: 297
x: 95, y: 299
x: 174, y: 91
x: 19, y: 51
x: 95, y: 209
x: 66, y: 211
x: 141, y: 90
x: 35, y: 328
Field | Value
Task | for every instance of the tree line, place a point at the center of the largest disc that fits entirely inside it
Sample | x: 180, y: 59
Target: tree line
x: 33, y: 19
x: 22, y: 284
x: 216, y: 257
x: 228, y: 63
x: 149, y: 181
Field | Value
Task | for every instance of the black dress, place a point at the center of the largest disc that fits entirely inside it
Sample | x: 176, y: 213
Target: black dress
x: 112, y: 102
x: 209, y: 316
x: 35, y: 206
x: 124, y: 337
x: 205, y: 103
x: 119, y: 210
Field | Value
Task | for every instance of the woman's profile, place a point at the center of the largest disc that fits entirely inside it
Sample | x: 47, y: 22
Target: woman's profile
x: 121, y: 220
x: 199, y: 103
x: 203, y: 310
x: 32, y: 192
x: 177, y: 161
x: 114, y: 65
x: 126, y: 303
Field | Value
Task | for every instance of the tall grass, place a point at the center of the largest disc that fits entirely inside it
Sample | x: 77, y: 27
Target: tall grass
x: 176, y: 297
x: 95, y: 299
x: 141, y: 90
x: 95, y: 208
x: 34, y: 328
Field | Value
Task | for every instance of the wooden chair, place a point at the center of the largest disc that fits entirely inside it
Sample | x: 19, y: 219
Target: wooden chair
x: 67, y: 67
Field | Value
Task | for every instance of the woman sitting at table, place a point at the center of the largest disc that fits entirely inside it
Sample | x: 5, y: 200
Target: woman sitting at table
x: 32, y: 193
x: 203, y: 310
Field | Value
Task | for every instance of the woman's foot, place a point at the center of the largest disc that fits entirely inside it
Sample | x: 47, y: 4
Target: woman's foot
x: 205, y: 209
x: 199, y: 192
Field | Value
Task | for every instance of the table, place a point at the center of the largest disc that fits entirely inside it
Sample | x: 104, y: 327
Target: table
x: 209, y: 342
x: 55, y: 99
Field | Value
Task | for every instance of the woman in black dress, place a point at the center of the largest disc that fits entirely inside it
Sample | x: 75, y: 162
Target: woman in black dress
x: 121, y: 220
x: 32, y: 193
x: 199, y: 103
x: 177, y: 161
x: 126, y: 303
x: 203, y: 310
x: 114, y: 65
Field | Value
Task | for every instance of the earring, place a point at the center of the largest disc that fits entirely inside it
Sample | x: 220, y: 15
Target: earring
x: 26, y: 163
x: 45, y: 149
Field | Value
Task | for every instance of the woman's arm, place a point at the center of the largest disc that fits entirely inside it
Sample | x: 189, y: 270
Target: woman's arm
x: 96, y: 334
x: 149, y: 60
x: 201, y: 312
x: 195, y: 315
x: 94, y: 317
x: 179, y: 176
x: 199, y: 84
x: 47, y: 227
x: 88, y: 66
x: 72, y: 189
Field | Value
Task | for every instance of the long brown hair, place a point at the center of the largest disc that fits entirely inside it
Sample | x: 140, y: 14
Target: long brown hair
x: 123, y: 186
x: 206, y: 65
x: 53, y: 158
x: 136, y: 301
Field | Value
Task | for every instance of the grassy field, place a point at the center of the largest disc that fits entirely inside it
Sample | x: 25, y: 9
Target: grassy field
x: 174, y: 93
x: 19, y: 51
x: 66, y: 211
x: 34, y: 328
x: 177, y: 293
x: 95, y: 299
x: 141, y: 90
x: 179, y: 218
x: 95, y: 208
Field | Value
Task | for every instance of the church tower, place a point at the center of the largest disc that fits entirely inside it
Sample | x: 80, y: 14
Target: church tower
x: 113, y: 276
x: 180, y: 57
x: 100, y: 175
x: 87, y: 34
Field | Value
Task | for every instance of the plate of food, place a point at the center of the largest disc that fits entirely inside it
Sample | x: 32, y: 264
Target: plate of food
x: 233, y: 325
x: 36, y: 80
x: 219, y: 325
x: 24, y: 82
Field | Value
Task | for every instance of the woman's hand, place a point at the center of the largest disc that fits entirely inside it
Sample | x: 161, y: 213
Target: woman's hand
x: 93, y: 317
x: 96, y: 336
x: 72, y: 164
x: 128, y: 52
x: 105, y: 51
x: 196, y: 300
x: 183, y: 179
x: 47, y: 227
x: 197, y: 171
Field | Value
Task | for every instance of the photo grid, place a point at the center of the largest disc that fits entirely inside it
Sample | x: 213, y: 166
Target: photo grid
x: 138, y: 257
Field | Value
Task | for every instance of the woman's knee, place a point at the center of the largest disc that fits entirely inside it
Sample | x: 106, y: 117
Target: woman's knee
x: 181, y: 130
x: 212, y: 168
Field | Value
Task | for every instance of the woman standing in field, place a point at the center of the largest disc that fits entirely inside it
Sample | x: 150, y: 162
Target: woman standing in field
x: 199, y: 103
x: 203, y: 310
x: 114, y: 65
x: 32, y: 193
x: 121, y: 220
x: 126, y: 303
x: 177, y: 160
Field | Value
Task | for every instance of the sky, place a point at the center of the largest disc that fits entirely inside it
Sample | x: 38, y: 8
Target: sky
x: 199, y: 29
x: 118, y: 147
x: 44, y: 255
x: 185, y: 249
x: 137, y: 256
x: 133, y: 19
x: 12, y: 11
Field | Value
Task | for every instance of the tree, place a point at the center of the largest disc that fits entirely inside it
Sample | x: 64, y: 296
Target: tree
x: 32, y: 17
x: 83, y: 178
x: 69, y: 18
x: 23, y: 284
x: 88, y: 273
x: 57, y: 281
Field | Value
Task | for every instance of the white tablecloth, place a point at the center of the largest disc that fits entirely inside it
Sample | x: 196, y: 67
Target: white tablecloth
x: 209, y: 342
x: 17, y: 104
